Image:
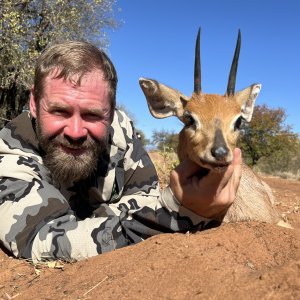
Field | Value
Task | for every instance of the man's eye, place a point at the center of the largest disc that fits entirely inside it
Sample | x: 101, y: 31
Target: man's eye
x: 92, y: 117
x: 59, y: 112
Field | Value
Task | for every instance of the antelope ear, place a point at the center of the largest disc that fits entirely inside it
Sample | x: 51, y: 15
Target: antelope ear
x: 246, y: 99
x: 163, y: 101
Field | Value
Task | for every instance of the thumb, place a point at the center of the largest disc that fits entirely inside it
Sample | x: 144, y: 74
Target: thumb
x: 234, y: 171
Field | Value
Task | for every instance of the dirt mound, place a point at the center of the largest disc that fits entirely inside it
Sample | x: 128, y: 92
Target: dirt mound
x: 234, y: 261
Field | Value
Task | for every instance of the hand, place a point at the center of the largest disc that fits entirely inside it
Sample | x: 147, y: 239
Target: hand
x: 211, y: 195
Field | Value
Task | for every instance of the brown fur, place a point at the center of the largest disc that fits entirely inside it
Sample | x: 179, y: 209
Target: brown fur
x: 214, y: 112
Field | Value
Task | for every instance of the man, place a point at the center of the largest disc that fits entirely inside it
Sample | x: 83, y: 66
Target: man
x: 75, y: 180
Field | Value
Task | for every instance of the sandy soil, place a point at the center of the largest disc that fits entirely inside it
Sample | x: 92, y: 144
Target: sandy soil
x: 234, y: 261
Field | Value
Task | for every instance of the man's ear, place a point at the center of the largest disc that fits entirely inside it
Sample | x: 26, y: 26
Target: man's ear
x: 32, y: 103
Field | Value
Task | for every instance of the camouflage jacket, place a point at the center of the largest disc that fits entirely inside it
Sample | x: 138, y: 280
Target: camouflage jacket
x: 120, y: 204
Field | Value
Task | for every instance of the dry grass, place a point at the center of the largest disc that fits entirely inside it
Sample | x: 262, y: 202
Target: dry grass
x: 288, y: 175
x: 164, y: 163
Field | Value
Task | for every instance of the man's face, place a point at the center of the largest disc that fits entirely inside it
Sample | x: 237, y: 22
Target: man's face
x: 72, y: 123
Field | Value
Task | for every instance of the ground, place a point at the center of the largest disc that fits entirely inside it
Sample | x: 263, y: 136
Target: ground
x: 233, y: 261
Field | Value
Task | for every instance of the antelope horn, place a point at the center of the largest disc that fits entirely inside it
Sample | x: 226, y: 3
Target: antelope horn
x: 234, y: 65
x: 197, y: 70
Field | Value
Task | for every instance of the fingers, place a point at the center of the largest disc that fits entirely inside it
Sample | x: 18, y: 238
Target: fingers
x: 208, y: 195
x: 237, y: 157
x: 182, y: 179
x: 186, y: 169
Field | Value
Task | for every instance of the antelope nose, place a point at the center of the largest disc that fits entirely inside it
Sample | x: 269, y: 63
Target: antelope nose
x: 220, y: 152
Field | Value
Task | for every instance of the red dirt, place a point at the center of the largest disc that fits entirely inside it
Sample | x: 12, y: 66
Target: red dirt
x: 234, y: 261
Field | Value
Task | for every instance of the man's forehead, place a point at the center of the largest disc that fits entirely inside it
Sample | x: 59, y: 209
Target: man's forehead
x: 93, y: 92
x: 76, y: 79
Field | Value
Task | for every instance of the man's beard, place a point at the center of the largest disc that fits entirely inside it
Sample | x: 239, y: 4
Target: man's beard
x: 65, y: 167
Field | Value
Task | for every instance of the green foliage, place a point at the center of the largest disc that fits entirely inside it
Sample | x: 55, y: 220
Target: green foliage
x: 166, y: 141
x: 28, y: 26
x: 268, y: 142
x: 284, y: 163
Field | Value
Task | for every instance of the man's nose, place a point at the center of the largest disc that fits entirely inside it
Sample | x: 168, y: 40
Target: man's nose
x: 75, y: 128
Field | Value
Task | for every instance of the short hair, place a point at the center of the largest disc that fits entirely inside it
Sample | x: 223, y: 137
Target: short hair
x: 74, y: 58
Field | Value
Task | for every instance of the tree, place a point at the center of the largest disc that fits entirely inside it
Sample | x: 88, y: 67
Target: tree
x: 165, y: 140
x: 267, y: 135
x: 28, y: 26
x: 286, y: 161
x: 166, y: 143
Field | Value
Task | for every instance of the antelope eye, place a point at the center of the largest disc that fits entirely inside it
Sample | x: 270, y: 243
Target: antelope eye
x: 189, y: 120
x: 238, y: 123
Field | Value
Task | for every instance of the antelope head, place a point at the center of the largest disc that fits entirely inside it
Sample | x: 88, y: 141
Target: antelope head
x: 211, y: 122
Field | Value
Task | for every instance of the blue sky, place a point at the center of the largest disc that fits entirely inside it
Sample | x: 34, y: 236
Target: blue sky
x: 157, y: 39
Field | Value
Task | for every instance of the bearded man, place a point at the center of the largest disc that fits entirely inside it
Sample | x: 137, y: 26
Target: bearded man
x: 75, y: 180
